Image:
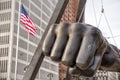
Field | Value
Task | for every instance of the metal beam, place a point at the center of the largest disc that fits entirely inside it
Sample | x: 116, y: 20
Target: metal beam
x: 80, y: 11
x: 38, y: 57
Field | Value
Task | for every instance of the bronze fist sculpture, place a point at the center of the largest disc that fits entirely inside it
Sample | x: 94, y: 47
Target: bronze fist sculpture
x: 82, y: 47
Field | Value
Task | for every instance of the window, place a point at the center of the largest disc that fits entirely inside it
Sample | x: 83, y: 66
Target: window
x: 41, y: 33
x: 38, y: 3
x: 13, y: 67
x: 35, y: 10
x: 4, y: 28
x: 45, y: 64
x: 54, y: 2
x: 29, y: 58
x: 3, y: 52
x: 3, y: 78
x: 20, y: 68
x: 16, y: 17
x: 55, y: 77
x: 23, y: 33
x: 17, y: 5
x: 22, y: 55
x: 14, y: 52
x: 38, y: 31
x: 22, y: 44
x: 45, y: 18
x: 4, y: 40
x: 54, y: 68
x: 34, y: 19
x: 43, y: 25
x: 25, y: 2
x: 32, y: 48
x: 52, y: 7
x: 46, y: 10
x: 43, y: 75
x: 5, y: 5
x: 15, y: 28
x: 14, y: 40
x: 34, y: 39
x: 3, y: 66
x: 5, y: 16
x: 47, y: 3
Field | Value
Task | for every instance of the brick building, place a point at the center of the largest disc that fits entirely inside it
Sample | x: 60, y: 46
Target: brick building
x: 69, y: 16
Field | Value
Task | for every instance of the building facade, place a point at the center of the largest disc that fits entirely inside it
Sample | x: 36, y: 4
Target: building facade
x: 17, y: 46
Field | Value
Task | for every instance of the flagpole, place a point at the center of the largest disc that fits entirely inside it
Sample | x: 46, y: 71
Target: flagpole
x: 15, y: 78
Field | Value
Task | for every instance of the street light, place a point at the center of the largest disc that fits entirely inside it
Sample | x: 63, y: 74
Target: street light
x: 50, y: 75
x: 25, y: 68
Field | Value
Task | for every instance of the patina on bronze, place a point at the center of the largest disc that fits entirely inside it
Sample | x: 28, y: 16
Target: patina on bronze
x: 82, y: 47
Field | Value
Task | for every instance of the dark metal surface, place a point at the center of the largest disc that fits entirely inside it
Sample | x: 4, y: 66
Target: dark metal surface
x: 79, y: 18
x: 80, y: 11
x: 38, y: 57
x: 85, y: 50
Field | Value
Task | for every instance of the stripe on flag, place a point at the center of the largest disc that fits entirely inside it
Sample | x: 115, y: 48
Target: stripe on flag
x: 28, y: 23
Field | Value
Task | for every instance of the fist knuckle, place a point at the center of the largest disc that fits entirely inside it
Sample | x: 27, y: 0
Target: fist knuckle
x: 52, y: 28
x: 62, y: 28
x: 45, y: 50
x: 95, y: 31
x: 77, y: 28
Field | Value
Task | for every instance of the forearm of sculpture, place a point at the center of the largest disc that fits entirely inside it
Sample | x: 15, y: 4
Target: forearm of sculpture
x: 111, y: 59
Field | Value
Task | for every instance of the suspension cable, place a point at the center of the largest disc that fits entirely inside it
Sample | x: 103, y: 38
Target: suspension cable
x: 94, y: 12
x: 99, y: 20
x: 103, y: 12
x: 110, y: 29
x: 113, y: 36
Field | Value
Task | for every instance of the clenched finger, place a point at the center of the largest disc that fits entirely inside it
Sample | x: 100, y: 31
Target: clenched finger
x: 60, y: 42
x: 49, y: 40
x: 73, y: 45
x: 87, y: 51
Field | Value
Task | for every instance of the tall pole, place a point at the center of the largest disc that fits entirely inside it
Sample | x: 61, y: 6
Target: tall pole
x: 17, y: 40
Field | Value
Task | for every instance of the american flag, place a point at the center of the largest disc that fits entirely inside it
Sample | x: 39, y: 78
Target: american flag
x: 28, y: 23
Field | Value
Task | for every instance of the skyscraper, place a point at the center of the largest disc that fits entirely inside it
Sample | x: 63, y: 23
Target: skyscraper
x: 17, y: 46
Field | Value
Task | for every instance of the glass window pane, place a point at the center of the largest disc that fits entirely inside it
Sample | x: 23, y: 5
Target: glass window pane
x: 22, y: 55
x: 4, y: 40
x: 4, y: 28
x: 22, y: 44
x: 3, y: 52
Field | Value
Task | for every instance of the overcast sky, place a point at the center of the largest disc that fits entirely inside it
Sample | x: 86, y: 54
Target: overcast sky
x: 112, y: 12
